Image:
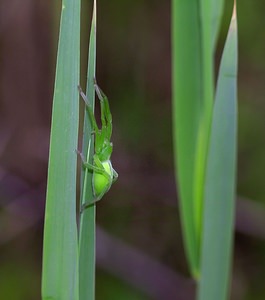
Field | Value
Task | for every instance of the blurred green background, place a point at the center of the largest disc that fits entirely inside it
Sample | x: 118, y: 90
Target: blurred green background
x: 140, y: 250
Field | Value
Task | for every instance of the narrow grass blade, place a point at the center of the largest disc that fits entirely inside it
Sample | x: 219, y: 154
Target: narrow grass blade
x: 216, y: 15
x: 206, y: 104
x: 60, y: 253
x: 88, y: 217
x: 219, y: 204
x: 187, y: 94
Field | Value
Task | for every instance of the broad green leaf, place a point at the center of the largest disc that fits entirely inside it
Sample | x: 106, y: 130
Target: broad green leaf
x: 218, y: 219
x: 60, y: 251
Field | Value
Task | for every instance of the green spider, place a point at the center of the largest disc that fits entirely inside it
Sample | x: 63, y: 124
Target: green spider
x: 103, y: 173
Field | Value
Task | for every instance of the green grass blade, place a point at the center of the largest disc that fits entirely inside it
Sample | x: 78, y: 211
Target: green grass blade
x: 187, y: 94
x: 220, y: 179
x: 205, y: 115
x: 88, y: 217
x: 217, y: 13
x: 60, y: 253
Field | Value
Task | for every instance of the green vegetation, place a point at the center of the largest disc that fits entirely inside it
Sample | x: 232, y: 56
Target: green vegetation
x: 60, y: 250
x: 205, y: 137
x: 205, y: 146
x: 63, y: 264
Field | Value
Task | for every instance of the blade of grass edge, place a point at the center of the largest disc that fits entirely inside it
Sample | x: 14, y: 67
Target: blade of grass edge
x: 218, y: 219
x: 88, y: 217
x: 60, y: 249
x: 186, y: 85
x: 210, y: 14
x: 205, y: 116
x: 216, y: 17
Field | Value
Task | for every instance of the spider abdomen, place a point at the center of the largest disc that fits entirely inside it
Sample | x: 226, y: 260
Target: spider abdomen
x: 102, y: 182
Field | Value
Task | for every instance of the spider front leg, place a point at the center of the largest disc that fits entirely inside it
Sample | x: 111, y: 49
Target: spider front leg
x: 106, y: 117
x: 90, y: 110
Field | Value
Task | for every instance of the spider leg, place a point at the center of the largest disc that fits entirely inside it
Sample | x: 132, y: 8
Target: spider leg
x: 106, y: 117
x: 81, y: 155
x: 89, y: 109
x: 91, y: 167
x: 88, y: 204
x: 115, y: 175
x: 102, y: 106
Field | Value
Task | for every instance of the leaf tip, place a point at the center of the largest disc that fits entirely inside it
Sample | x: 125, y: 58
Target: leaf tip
x: 95, y: 11
x: 234, y: 11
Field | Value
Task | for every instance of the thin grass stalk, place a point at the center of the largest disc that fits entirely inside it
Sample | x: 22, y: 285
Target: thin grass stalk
x: 218, y: 219
x: 217, y: 7
x: 87, y: 259
x: 60, y: 250
x: 206, y: 103
x: 187, y: 94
